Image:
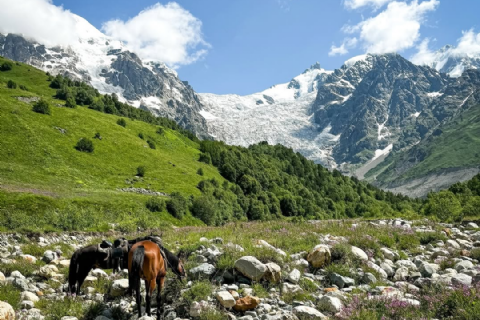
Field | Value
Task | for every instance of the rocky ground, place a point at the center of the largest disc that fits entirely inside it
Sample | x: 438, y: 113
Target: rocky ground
x: 350, y: 270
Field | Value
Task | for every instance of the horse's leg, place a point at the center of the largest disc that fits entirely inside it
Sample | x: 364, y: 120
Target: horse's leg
x: 161, y: 283
x: 131, y: 285
x: 138, y: 297
x: 82, y: 274
x: 148, y: 298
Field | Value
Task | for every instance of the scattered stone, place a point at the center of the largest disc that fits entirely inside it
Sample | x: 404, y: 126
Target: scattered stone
x: 461, y: 279
x: 49, y: 256
x: 205, y: 270
x: 251, y: 267
x: 246, y: 303
x: 273, y: 272
x: 119, y: 288
x: 6, y: 311
x: 308, y: 313
x: 359, y: 253
x: 330, y: 304
x: 294, y: 276
x: 320, y: 256
x: 226, y: 299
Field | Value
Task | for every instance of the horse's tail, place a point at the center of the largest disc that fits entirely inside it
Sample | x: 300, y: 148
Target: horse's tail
x: 72, y: 273
x: 137, y: 266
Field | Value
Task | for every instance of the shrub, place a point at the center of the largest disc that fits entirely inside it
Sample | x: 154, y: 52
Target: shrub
x: 22, y: 87
x: 177, y: 205
x: 6, y: 66
x: 70, y: 103
x: 156, y: 204
x: 84, y: 145
x: 201, y: 290
x: 42, y: 106
x: 97, y: 136
x: 141, y: 171
x: 160, y: 131
x: 141, y: 136
x: 11, y: 84
x: 151, y: 144
x: 200, y: 171
x: 206, y: 158
x: 475, y: 254
x: 122, y: 122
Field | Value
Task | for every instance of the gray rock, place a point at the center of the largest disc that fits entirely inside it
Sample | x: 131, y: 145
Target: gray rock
x: 294, y: 276
x: 49, y: 256
x: 119, y: 288
x: 250, y: 267
x: 308, y: 313
x: 461, y: 280
x: 341, y: 281
x: 426, y: 270
x: 369, y: 278
x: 204, y: 270
x: 330, y: 304
x: 463, y: 266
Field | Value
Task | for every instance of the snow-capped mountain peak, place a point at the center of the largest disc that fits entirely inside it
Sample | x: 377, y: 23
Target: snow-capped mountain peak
x: 449, y: 59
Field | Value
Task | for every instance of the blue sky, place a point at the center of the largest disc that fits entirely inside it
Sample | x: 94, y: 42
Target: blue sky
x: 253, y: 44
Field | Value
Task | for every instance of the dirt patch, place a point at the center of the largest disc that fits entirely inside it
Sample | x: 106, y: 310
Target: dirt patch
x: 10, y: 188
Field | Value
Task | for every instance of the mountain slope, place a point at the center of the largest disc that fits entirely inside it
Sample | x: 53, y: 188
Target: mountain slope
x: 448, y: 152
x: 47, y: 184
x: 110, y: 68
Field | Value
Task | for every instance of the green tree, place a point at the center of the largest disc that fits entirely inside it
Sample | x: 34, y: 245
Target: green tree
x: 141, y: 171
x: 177, y: 205
x: 11, y: 84
x: 200, y: 171
x: 444, y: 205
x: 84, y: 145
x: 122, y: 122
x: 70, y: 103
x: 204, y: 208
x: 42, y: 106
x: 151, y: 144
x: 6, y: 66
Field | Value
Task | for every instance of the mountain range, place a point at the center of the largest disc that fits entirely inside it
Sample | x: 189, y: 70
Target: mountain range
x: 379, y: 117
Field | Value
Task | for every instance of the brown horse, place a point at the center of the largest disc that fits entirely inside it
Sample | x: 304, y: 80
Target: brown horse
x: 146, y: 261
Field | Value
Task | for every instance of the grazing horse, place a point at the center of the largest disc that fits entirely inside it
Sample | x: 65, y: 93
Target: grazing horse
x: 85, y: 259
x: 120, y: 260
x: 146, y: 261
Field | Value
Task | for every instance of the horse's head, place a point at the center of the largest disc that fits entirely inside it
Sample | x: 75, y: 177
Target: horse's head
x: 180, y: 269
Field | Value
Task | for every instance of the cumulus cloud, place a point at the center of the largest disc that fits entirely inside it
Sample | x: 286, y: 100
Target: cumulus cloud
x: 467, y: 45
x: 355, y: 4
x: 39, y: 20
x: 393, y: 30
x: 343, y: 49
x: 165, y: 33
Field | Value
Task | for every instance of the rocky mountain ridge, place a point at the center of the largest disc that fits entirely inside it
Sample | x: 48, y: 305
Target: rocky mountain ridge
x: 108, y: 66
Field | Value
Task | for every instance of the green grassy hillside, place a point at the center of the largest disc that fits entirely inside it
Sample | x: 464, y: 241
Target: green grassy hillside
x: 40, y: 165
x: 454, y: 145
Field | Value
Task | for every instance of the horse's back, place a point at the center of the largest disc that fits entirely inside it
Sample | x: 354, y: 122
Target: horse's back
x: 153, y: 260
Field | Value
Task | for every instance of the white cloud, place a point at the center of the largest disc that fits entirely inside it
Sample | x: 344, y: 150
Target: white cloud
x: 343, y: 49
x: 393, y: 30
x: 355, y: 4
x: 467, y: 45
x: 39, y: 20
x: 166, y: 33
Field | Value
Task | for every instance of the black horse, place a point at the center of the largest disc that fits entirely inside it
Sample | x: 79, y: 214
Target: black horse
x: 85, y: 259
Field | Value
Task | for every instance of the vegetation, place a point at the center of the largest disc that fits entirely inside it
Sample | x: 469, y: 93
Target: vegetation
x: 42, y: 106
x: 11, y: 84
x: 122, y: 122
x: 141, y: 171
x: 84, y: 145
x: 156, y: 204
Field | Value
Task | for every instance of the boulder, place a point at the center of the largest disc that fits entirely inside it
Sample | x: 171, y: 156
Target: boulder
x: 196, y: 308
x: 251, y: 267
x: 226, y: 299
x: 463, y: 266
x: 461, y: 279
x: 246, y: 303
x: 29, y: 258
x: 29, y: 296
x: 49, y: 256
x: 288, y: 288
x: 359, y: 253
x: 380, y: 271
x: 205, y: 270
x: 2, y: 277
x: 294, y: 276
x: 48, y: 271
x: 320, y: 256
x: 389, y: 254
x: 341, y: 281
x: 308, y: 313
x: 265, y: 244
x: 426, y: 270
x: 6, y: 311
x: 369, y: 278
x: 330, y: 304
x: 452, y: 244
x: 119, y: 288
x: 273, y: 273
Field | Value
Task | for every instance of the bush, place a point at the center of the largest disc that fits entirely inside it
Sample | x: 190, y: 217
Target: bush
x: 141, y: 171
x: 70, y: 103
x: 6, y: 66
x: 206, y: 158
x: 160, y: 131
x: 156, y: 204
x: 151, y: 144
x: 200, y: 171
x: 97, y: 136
x: 84, y: 145
x: 22, y: 87
x: 11, y: 84
x: 42, y: 106
x: 122, y: 122
x: 177, y: 205
x: 141, y: 136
